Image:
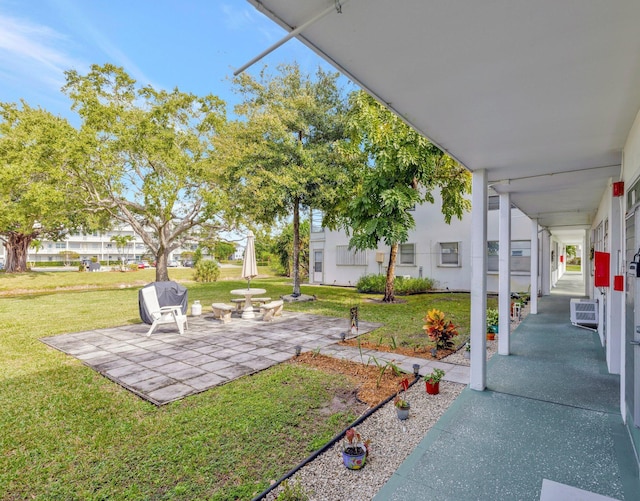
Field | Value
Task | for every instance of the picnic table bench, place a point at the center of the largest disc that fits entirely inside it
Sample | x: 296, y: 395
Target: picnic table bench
x: 271, y: 310
x: 222, y: 311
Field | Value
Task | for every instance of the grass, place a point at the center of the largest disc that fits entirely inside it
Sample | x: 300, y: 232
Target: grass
x: 48, y: 280
x: 573, y: 267
x: 66, y: 432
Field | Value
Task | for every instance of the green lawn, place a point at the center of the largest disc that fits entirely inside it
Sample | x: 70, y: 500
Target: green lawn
x: 68, y: 433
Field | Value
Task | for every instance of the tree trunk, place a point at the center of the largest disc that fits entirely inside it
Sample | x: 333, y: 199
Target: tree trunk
x: 17, y: 246
x: 296, y: 248
x: 389, y: 296
x: 162, y: 273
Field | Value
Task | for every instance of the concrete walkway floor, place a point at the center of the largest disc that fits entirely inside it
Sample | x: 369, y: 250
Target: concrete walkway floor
x: 548, y: 417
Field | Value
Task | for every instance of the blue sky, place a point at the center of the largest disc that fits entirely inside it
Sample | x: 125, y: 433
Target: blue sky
x: 191, y: 44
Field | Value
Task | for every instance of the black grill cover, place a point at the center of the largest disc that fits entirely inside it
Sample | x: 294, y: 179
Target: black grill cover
x: 169, y: 294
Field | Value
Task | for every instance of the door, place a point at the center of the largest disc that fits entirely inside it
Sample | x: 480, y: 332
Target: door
x: 632, y: 318
x: 318, y: 259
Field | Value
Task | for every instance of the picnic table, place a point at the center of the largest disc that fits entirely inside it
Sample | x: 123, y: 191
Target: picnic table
x: 247, y: 311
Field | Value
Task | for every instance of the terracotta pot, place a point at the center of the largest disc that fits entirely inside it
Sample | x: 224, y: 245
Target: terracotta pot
x: 491, y: 336
x: 433, y: 388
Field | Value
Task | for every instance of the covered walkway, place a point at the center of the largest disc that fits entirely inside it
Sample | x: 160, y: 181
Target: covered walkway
x: 548, y: 423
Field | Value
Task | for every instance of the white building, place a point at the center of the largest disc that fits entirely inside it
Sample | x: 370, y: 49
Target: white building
x: 97, y: 245
x: 434, y: 250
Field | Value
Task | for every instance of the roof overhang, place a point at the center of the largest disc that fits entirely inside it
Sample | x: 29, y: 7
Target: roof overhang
x: 540, y: 94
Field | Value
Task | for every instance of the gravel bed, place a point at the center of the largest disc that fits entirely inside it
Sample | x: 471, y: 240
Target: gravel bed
x: 392, y: 440
x: 326, y: 479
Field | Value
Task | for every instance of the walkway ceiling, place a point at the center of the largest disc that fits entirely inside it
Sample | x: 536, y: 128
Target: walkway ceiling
x: 540, y: 93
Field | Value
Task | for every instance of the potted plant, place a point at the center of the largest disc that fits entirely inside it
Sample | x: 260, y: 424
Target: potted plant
x: 439, y: 329
x: 401, y: 404
x: 492, y: 323
x: 354, y: 450
x: 467, y: 350
x: 432, y: 381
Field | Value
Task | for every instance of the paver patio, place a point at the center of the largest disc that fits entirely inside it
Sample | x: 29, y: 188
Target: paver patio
x: 167, y: 366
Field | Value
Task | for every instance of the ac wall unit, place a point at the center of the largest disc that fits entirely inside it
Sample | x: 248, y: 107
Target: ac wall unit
x: 584, y: 313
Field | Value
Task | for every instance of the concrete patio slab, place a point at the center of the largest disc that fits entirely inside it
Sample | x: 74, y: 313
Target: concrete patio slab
x: 167, y: 366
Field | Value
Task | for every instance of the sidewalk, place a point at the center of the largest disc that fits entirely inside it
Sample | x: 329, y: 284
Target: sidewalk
x: 547, y: 424
x: 454, y: 373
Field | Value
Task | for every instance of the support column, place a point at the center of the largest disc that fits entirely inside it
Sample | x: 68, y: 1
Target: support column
x: 585, y: 262
x: 478, y: 280
x: 615, y: 330
x: 504, y: 275
x: 534, y: 266
x: 544, y: 269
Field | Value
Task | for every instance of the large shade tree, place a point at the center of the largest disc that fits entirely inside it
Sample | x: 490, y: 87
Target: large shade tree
x: 399, y: 169
x: 37, y: 199
x: 281, y: 154
x: 145, y: 158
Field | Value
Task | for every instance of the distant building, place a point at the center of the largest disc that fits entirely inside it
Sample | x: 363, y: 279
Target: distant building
x: 442, y: 252
x: 92, y: 245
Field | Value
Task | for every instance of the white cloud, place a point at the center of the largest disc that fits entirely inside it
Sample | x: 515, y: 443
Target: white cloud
x: 94, y: 37
x: 34, y: 53
x: 248, y: 18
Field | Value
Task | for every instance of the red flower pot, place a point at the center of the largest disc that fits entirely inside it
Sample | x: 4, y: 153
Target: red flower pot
x: 433, y: 388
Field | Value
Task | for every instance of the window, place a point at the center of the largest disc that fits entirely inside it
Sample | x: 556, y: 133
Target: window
x: 317, y: 261
x: 449, y: 254
x: 492, y: 255
x: 316, y: 221
x: 346, y: 257
x: 520, y: 255
x: 407, y: 253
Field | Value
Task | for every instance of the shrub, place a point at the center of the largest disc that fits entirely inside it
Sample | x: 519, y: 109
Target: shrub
x: 206, y: 271
x: 371, y: 284
x: 374, y: 284
x: 492, y: 316
x: 406, y: 286
x: 439, y: 329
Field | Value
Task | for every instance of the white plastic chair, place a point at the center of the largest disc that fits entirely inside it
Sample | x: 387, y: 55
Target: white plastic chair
x: 164, y: 314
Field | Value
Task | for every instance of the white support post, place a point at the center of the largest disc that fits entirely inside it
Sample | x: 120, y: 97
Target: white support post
x: 478, y: 280
x: 585, y: 262
x: 615, y: 303
x: 504, y: 276
x: 534, y: 267
x: 544, y: 268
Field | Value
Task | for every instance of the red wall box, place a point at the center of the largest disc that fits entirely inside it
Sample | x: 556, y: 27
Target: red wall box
x: 601, y: 263
x: 618, y: 283
x: 618, y: 188
x: 561, y: 258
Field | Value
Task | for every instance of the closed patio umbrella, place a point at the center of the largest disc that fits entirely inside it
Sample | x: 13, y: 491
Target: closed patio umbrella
x: 249, y: 266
